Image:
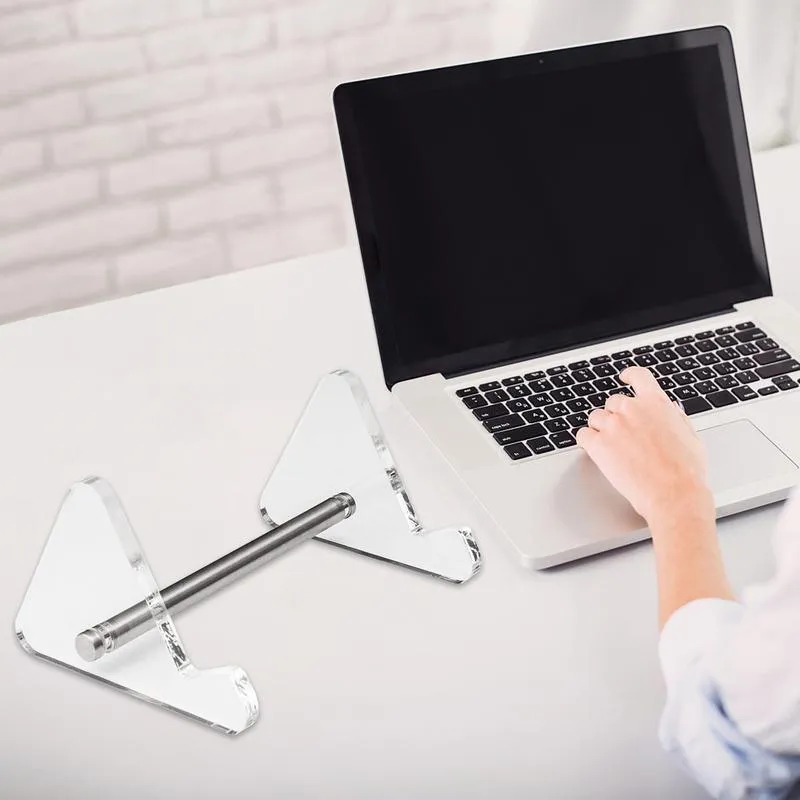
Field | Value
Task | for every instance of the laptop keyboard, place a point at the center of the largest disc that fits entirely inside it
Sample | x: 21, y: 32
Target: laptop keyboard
x: 540, y: 412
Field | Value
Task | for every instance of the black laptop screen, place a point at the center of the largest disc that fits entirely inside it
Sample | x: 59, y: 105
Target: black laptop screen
x: 503, y: 213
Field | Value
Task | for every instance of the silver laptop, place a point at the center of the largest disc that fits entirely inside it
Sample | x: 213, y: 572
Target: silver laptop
x: 531, y: 226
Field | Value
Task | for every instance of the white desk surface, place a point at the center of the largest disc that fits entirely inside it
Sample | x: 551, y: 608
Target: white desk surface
x: 374, y: 682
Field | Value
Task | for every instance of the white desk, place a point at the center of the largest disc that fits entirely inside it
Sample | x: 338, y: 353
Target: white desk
x: 374, y: 682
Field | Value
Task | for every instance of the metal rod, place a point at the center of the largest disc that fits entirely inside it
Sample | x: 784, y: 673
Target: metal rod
x: 122, y: 628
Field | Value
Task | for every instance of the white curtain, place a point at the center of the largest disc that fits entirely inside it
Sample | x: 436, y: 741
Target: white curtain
x: 766, y: 35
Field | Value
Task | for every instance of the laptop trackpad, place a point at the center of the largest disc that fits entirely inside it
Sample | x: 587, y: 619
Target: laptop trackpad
x: 740, y: 457
x: 739, y: 454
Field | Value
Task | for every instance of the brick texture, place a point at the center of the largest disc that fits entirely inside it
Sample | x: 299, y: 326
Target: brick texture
x: 22, y: 203
x: 159, y: 171
x: 20, y: 157
x: 148, y: 142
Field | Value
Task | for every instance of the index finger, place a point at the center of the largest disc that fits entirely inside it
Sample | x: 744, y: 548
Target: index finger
x: 641, y: 379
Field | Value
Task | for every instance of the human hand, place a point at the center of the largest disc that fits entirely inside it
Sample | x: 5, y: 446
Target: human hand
x: 648, y: 450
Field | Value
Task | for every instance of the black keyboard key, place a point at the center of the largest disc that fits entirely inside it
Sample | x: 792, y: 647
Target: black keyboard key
x: 520, y: 434
x: 583, y: 375
x: 520, y: 404
x: 557, y: 370
x: 765, y: 390
x: 727, y: 382
x: 706, y: 387
x: 684, y: 339
x: 748, y: 376
x: 667, y: 369
x: 684, y: 393
x: 666, y: 355
x: 540, y: 445
x: 626, y: 390
x: 726, y: 341
x: 600, y: 359
x: 670, y: 396
x: 767, y: 344
x: 686, y: 350
x: 467, y: 391
x: 704, y: 374
x: 518, y: 391
x: 695, y: 405
x: 556, y: 425
x: 646, y: 360
x: 533, y: 376
x: 750, y: 335
x: 727, y: 354
x: 706, y: 346
x: 474, y: 401
x: 724, y: 369
x: 503, y: 423
x: 540, y: 386
x: 707, y: 359
x: 540, y: 400
x: 664, y: 345
x: 621, y: 354
x: 771, y: 356
x: 747, y: 349
x: 704, y: 335
x: 512, y: 381
x: 720, y: 399
x: 488, y: 387
x: 517, y: 451
x: 535, y: 415
x: 723, y: 331
x: 579, y: 404
x: 497, y: 396
x: 584, y: 389
x: 598, y: 400
x: 688, y: 363
x: 624, y: 363
x: 743, y: 326
x: 578, y: 365
x: 559, y: 381
x: 557, y: 410
x: 744, y: 393
x: 684, y: 379
x: 779, y: 368
x: 578, y: 420
x: 666, y: 383
x: 605, y: 384
x: 562, y: 440
x: 744, y: 363
x: 645, y: 348
x: 784, y: 383
x: 559, y: 395
x: 490, y: 412
x: 604, y: 370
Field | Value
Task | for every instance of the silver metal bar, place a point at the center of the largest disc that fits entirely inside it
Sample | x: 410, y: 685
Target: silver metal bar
x: 122, y: 628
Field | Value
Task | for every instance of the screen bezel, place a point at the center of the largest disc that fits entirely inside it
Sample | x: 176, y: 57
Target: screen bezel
x: 477, y: 359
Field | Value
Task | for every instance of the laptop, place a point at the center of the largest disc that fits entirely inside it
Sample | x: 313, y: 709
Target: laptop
x: 531, y: 226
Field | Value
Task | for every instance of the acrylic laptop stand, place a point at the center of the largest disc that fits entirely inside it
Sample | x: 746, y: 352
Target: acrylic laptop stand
x: 93, y: 606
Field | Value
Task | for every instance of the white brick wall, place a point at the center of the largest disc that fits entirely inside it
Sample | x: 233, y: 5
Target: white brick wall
x: 20, y: 156
x: 148, y: 142
x: 26, y: 202
x: 170, y: 170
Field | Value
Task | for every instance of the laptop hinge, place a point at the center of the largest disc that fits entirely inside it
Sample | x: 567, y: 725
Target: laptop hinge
x: 588, y: 342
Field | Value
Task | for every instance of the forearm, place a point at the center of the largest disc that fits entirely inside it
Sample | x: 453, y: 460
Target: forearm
x: 688, y: 558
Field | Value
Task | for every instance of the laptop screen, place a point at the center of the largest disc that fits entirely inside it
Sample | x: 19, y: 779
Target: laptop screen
x: 523, y: 206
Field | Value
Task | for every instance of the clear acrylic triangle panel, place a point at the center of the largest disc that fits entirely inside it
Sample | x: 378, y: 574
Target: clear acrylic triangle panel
x: 92, y: 567
x: 338, y: 446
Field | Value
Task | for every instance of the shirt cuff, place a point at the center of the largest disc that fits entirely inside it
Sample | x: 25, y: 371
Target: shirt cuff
x: 691, y: 632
